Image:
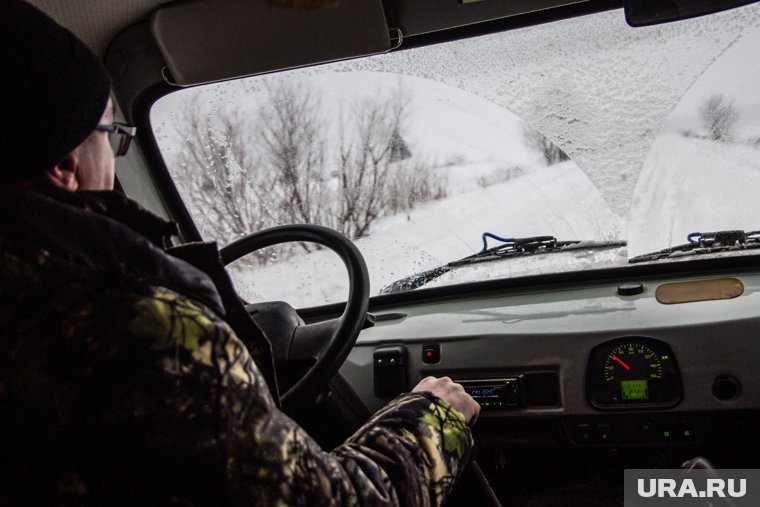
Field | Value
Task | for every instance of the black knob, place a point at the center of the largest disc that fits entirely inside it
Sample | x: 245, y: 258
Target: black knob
x: 630, y: 288
x: 726, y: 387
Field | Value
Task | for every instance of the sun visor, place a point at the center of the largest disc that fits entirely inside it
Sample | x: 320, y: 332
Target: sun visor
x: 416, y: 17
x: 204, y: 41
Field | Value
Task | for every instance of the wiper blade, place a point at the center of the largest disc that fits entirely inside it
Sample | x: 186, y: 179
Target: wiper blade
x: 515, y: 247
x: 512, y: 247
x: 705, y: 243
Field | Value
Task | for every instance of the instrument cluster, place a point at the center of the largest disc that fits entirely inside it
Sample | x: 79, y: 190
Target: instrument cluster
x: 633, y: 372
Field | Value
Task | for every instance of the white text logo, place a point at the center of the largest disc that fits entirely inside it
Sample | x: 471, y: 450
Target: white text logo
x: 716, y: 488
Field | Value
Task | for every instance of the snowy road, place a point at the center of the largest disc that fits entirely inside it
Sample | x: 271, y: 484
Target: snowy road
x: 693, y: 185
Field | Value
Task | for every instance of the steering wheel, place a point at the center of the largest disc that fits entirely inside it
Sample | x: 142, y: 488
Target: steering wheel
x: 323, y: 345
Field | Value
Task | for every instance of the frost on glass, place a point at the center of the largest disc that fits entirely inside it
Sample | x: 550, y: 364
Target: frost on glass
x: 415, y: 154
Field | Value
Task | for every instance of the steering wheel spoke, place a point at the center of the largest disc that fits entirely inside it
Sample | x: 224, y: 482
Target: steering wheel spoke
x: 308, y: 340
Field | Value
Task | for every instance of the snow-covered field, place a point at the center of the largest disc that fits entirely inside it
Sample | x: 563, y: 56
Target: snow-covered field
x: 557, y: 200
x: 471, y: 140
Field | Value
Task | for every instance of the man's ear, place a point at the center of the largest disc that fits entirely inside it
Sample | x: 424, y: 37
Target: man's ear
x: 64, y: 174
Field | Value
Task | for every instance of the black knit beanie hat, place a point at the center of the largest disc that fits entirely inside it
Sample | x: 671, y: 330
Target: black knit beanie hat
x: 53, y: 91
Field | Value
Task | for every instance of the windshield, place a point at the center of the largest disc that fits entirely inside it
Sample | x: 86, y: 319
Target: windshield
x: 583, y: 129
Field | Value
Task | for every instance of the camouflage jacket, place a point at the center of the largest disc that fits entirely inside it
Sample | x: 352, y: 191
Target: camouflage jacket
x: 123, y: 381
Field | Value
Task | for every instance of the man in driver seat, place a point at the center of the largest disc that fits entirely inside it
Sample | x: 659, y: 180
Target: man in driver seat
x: 128, y: 375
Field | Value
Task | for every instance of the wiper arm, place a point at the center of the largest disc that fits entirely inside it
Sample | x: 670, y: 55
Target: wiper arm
x: 516, y: 247
x: 705, y: 243
x: 512, y: 247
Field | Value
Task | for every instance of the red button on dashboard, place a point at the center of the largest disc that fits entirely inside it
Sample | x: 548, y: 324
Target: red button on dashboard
x: 431, y: 353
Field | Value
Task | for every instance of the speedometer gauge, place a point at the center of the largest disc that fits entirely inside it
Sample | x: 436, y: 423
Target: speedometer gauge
x: 633, y: 372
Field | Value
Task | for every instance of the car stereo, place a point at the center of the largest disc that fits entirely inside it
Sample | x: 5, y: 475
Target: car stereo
x: 495, y: 393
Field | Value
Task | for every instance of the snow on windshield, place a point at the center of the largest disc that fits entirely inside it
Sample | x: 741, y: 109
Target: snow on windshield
x: 597, y: 88
x: 449, y: 132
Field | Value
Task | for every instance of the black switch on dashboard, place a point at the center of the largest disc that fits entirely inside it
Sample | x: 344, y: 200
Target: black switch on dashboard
x: 431, y: 353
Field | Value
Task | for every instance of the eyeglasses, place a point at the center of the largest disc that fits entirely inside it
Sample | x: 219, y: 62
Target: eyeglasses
x: 120, y: 143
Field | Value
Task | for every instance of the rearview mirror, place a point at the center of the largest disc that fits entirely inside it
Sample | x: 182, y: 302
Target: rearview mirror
x: 652, y: 12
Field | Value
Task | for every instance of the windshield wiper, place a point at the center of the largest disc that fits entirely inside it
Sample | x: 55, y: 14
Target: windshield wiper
x: 705, y: 243
x: 511, y: 247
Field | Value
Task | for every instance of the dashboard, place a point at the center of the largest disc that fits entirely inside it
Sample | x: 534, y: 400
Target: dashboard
x: 651, y: 361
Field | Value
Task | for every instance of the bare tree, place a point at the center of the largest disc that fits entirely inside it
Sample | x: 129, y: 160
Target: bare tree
x: 719, y: 118
x: 245, y: 171
x: 292, y: 154
x: 412, y: 184
x: 366, y: 161
x: 212, y: 170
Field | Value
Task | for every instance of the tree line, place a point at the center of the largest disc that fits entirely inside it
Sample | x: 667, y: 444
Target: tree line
x: 291, y: 160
